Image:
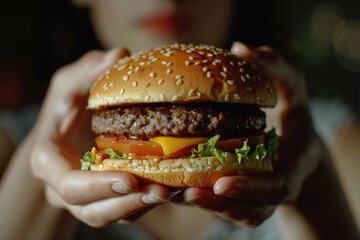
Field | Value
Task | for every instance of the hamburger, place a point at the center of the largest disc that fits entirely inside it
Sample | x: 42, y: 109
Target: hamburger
x: 182, y: 115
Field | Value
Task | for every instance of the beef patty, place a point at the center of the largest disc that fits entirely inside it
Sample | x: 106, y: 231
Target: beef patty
x: 147, y: 121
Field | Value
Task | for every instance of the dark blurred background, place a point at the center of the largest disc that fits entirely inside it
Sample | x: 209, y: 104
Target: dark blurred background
x: 38, y: 37
x: 322, y: 37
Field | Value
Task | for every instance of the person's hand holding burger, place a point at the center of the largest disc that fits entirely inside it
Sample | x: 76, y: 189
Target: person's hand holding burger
x: 62, y: 135
x: 180, y: 117
x: 249, y: 200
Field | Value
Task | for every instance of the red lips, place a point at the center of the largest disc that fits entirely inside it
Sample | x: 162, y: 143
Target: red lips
x: 166, y: 24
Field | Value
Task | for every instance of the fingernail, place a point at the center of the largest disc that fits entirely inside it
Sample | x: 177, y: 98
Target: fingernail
x: 111, y: 55
x: 151, y: 199
x: 225, y: 191
x: 122, y: 188
x: 197, y: 201
x: 241, y: 49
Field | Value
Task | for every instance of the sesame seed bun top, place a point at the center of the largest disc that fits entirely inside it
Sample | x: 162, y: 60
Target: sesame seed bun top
x: 182, y: 73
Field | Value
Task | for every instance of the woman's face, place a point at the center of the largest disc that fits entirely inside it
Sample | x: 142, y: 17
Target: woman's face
x: 143, y: 24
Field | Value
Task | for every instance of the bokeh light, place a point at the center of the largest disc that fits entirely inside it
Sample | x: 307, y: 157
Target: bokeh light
x: 330, y: 28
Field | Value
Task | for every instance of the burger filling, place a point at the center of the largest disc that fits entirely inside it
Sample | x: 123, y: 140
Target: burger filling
x: 191, y: 120
x: 172, y: 131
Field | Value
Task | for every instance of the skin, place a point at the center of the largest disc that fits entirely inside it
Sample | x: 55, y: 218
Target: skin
x: 61, y: 136
x: 206, y: 21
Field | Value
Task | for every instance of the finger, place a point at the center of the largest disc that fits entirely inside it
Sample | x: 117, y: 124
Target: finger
x: 284, y: 74
x: 106, y: 211
x: 245, y: 213
x: 77, y: 187
x: 241, y: 50
x: 260, y: 189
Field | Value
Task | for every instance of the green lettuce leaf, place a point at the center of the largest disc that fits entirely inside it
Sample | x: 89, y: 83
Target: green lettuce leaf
x: 272, y: 146
x: 86, y: 161
x: 244, y: 152
x: 114, y: 155
x: 208, y: 149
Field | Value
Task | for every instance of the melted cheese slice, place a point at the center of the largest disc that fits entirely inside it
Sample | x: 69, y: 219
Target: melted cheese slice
x: 173, y: 144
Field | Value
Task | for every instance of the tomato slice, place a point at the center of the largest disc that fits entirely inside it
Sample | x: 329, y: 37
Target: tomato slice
x: 135, y: 146
x: 146, y: 147
x: 229, y: 145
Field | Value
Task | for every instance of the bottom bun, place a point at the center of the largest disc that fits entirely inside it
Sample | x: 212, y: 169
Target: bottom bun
x: 184, y: 172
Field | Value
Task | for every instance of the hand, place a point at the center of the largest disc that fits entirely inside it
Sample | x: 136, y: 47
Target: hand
x: 249, y: 200
x: 62, y: 135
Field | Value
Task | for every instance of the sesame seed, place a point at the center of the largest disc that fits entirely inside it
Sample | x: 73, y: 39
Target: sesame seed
x: 125, y: 78
x: 198, y: 93
x: 175, y: 97
x: 225, y: 69
x: 178, y: 76
x: 162, y: 97
x: 243, y: 78
x: 129, y: 72
x: 249, y: 89
x: 191, y: 92
x: 147, y: 98
x: 121, y: 68
x: 191, y: 57
x: 168, y: 71
x: 135, y: 83
x: 187, y: 63
x: 205, y: 69
x: 201, y: 53
x: 142, y: 63
x: 232, y: 63
x: 160, y: 81
x: 169, y: 64
x: 223, y: 74
x: 152, y: 74
x: 164, y: 62
x: 236, y: 96
x: 122, y: 91
x: 210, y: 55
x: 137, y: 69
x: 205, y: 61
x: 208, y: 74
x: 230, y: 82
x: 179, y: 82
x: 226, y: 98
x: 241, y: 70
x: 196, y: 63
x: 248, y: 76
